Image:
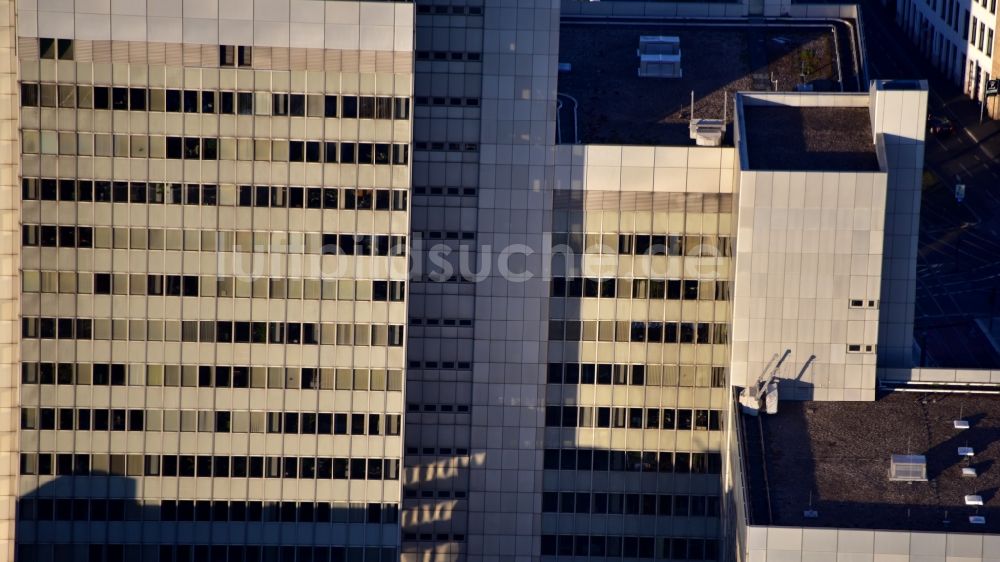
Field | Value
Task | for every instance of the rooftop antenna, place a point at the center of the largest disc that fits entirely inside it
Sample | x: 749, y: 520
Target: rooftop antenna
x: 810, y: 513
x: 961, y: 422
x: 692, y: 104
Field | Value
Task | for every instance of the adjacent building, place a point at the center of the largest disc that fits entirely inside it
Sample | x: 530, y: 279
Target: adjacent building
x: 571, y: 398
x: 214, y: 223
x: 958, y: 38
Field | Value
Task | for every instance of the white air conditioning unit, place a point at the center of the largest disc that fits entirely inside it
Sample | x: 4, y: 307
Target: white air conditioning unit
x: 908, y: 468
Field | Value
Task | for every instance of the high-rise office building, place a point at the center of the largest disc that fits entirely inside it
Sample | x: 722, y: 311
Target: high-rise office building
x: 569, y: 390
x: 214, y: 219
x: 232, y: 344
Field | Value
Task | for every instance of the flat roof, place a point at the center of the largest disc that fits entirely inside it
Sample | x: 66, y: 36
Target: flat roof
x: 836, y: 456
x: 611, y: 104
x: 781, y: 137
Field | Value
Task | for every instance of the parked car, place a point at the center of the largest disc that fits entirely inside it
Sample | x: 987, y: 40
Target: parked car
x: 939, y: 125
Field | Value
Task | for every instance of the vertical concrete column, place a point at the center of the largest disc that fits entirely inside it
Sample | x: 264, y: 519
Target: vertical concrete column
x: 899, y: 115
x: 520, y: 50
x: 10, y: 263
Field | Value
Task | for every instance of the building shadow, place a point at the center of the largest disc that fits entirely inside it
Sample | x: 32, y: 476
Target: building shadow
x: 99, y: 518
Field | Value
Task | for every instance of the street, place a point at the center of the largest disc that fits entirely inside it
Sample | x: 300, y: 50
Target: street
x: 958, y: 266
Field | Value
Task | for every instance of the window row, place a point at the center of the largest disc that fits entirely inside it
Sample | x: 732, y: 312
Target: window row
x: 69, y: 282
x: 441, y: 100
x: 633, y: 461
x: 632, y: 418
x: 984, y: 45
x: 610, y: 288
x: 636, y: 375
x: 439, y: 364
x: 447, y: 56
x: 211, y: 376
x: 212, y: 331
x: 417, y: 321
x: 218, y: 421
x: 198, y: 148
x: 445, y: 235
x: 99, y: 509
x: 206, y: 466
x: 450, y: 10
x: 459, y: 191
x: 651, y: 332
x: 630, y: 547
x: 121, y: 98
x: 437, y: 537
x: 443, y: 408
x: 663, y: 505
x: 191, y: 240
x: 440, y: 451
x: 113, y: 552
x: 642, y: 244
x: 107, y: 191
x: 412, y: 494
x: 446, y: 146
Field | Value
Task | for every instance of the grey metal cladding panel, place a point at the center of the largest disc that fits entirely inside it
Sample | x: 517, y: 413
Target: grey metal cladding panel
x: 892, y: 542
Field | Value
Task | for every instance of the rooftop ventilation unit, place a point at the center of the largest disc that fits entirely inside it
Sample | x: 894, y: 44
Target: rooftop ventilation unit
x: 973, y: 499
x: 961, y: 424
x: 707, y: 132
x: 977, y: 520
x: 968, y: 472
x: 966, y: 452
x: 660, y: 56
x: 908, y: 468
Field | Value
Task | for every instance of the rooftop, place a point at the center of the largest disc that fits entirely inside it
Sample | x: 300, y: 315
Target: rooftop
x: 783, y: 137
x: 611, y: 104
x: 836, y: 455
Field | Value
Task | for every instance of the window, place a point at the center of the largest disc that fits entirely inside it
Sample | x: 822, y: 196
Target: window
x: 230, y: 55
x: 61, y: 49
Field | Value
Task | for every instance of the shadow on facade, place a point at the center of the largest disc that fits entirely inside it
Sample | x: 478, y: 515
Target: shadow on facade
x: 615, y: 489
x: 97, y: 518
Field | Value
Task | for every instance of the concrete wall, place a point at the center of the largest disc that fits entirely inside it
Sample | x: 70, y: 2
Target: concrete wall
x: 520, y: 52
x: 696, y: 169
x: 370, y: 26
x: 960, y: 376
x: 899, y: 115
x: 808, y: 244
x: 10, y: 283
x: 793, y: 544
x: 655, y: 9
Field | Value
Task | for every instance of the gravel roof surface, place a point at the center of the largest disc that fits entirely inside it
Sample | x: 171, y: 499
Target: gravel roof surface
x: 616, y: 106
x: 810, y: 138
x: 838, y: 452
